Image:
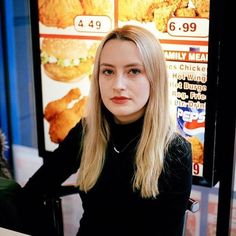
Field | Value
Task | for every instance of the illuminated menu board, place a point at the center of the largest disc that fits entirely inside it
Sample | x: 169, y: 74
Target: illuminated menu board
x: 68, y: 34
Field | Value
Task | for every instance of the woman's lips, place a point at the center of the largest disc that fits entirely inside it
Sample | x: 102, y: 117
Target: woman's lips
x: 120, y: 100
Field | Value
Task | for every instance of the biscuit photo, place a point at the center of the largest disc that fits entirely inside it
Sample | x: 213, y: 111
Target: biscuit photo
x: 60, y: 13
x: 97, y: 7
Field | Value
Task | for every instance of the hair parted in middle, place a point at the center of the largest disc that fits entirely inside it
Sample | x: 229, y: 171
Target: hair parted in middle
x: 158, y: 128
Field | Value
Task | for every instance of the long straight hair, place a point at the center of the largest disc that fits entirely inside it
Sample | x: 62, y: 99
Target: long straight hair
x: 158, y: 128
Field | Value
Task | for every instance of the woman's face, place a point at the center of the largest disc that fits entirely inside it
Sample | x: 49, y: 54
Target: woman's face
x: 123, y: 81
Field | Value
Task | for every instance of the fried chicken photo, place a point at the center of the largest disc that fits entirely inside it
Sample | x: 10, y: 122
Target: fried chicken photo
x: 202, y: 7
x: 61, y: 124
x: 59, y: 105
x: 63, y: 114
x: 160, y: 11
x: 134, y: 10
x: 59, y: 13
x: 197, y: 149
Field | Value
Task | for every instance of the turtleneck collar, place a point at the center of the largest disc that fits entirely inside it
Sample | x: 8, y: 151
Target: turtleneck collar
x: 123, y: 133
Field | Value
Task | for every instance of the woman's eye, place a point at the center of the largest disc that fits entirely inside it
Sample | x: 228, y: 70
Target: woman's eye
x: 107, y: 72
x: 135, y: 71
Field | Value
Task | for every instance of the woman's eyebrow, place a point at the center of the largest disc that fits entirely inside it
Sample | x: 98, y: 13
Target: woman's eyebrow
x: 128, y: 65
x: 134, y: 64
x: 106, y: 64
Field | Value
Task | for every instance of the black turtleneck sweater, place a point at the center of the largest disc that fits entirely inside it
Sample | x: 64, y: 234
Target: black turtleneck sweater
x: 111, y: 207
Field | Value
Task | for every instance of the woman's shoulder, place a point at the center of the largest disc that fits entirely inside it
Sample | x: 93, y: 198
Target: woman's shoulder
x: 72, y: 141
x: 179, y: 142
x: 179, y: 149
x: 75, y: 132
x: 177, y: 174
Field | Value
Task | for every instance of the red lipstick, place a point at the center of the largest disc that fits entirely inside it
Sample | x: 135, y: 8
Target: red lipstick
x: 119, y: 99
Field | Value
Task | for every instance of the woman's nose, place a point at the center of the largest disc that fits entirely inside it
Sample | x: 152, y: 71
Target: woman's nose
x: 119, y: 82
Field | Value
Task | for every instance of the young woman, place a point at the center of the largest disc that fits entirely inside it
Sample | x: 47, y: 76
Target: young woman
x: 135, y: 170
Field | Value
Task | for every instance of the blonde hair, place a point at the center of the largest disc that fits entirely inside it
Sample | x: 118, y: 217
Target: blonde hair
x: 157, y: 128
